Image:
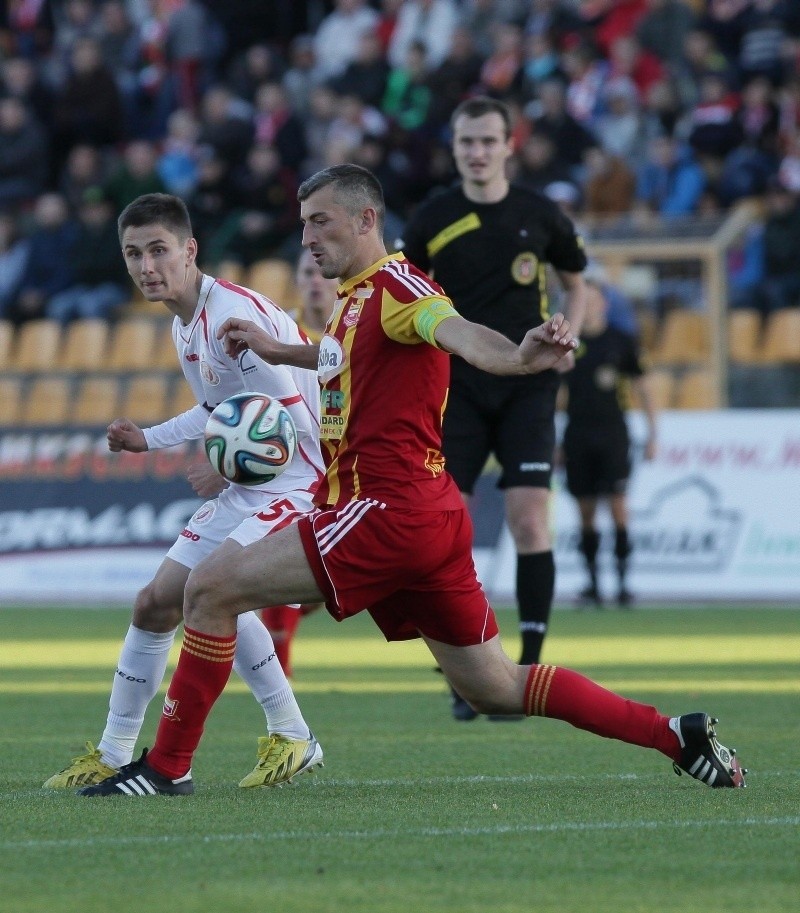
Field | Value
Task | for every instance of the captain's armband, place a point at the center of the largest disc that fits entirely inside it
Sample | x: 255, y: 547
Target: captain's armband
x: 430, y: 314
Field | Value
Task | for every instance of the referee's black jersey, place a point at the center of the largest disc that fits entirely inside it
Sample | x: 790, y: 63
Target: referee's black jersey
x: 598, y: 384
x: 490, y: 258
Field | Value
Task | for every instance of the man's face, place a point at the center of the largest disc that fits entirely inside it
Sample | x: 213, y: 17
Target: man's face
x: 330, y: 233
x: 481, y: 148
x: 317, y: 292
x: 158, y: 261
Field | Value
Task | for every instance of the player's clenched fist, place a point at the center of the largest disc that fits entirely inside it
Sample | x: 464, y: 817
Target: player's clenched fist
x: 122, y: 434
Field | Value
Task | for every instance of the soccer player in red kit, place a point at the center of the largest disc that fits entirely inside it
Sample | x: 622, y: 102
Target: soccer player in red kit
x: 390, y: 533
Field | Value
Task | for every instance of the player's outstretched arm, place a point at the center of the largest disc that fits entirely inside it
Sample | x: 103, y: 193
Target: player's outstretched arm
x: 122, y: 434
x: 490, y: 351
x: 238, y: 335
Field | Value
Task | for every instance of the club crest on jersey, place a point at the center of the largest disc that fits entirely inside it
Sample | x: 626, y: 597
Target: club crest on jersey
x: 353, y: 312
x: 208, y: 374
x: 204, y: 513
x: 331, y: 358
x: 524, y: 267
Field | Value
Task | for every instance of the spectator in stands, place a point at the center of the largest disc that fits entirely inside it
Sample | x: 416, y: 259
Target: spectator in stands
x: 178, y: 165
x: 22, y: 79
x: 277, y: 125
x: 322, y: 113
x: 27, y: 29
x: 136, y: 174
x: 764, y: 40
x: 553, y: 17
x: 226, y: 125
x: 429, y: 21
x: 194, y: 44
x: 748, y: 166
x: 663, y: 28
x: 119, y: 45
x: 23, y: 153
x: 99, y: 284
x: 610, y: 187
x: 75, y: 20
x: 407, y: 100
x: 779, y: 286
x: 14, y: 250
x: 612, y: 19
x: 570, y: 137
x: 714, y: 130
x: 620, y: 130
x: 629, y: 59
x: 365, y: 76
x: 48, y: 270
x: 501, y: 73
x: 454, y: 78
x: 538, y: 163
x: 301, y: 76
x: 336, y: 40
x: 726, y: 22
x: 587, y: 73
x: 670, y: 182
x: 213, y: 197
x: 87, y: 108
x: 250, y: 69
x: 700, y: 56
x: 85, y: 167
x: 541, y: 61
x: 266, y: 214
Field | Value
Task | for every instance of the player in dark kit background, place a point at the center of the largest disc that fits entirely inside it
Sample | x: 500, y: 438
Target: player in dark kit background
x: 488, y: 243
x: 596, y: 444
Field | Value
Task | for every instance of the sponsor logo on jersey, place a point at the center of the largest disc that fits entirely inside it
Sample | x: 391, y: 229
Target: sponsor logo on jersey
x: 331, y: 427
x: 524, y: 267
x: 208, y: 374
x: 188, y: 534
x: 193, y: 356
x: 331, y: 358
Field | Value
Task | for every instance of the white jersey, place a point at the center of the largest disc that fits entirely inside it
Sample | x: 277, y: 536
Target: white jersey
x: 214, y: 376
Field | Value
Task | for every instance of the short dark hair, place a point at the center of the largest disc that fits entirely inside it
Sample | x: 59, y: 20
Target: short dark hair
x: 480, y: 105
x: 356, y: 188
x: 157, y: 209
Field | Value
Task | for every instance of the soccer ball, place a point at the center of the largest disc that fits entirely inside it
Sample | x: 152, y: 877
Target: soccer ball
x: 250, y: 438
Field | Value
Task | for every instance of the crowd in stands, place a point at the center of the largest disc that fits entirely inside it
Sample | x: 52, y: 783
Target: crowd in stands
x: 630, y: 110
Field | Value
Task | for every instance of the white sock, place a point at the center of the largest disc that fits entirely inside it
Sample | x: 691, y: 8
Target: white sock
x: 255, y: 662
x: 140, y: 670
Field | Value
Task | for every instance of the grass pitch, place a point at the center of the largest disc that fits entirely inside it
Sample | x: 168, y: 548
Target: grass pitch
x: 413, y: 811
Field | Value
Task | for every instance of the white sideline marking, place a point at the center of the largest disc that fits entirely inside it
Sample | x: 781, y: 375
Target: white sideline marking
x: 567, y: 826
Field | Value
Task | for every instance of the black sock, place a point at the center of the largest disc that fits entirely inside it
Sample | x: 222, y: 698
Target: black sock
x: 536, y: 577
x: 589, y: 545
x: 622, y: 550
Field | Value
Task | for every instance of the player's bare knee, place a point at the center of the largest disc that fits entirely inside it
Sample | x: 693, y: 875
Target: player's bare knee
x: 153, y: 613
x: 203, y: 591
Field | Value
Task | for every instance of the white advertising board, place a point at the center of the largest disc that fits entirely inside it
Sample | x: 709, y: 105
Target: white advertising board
x: 715, y: 516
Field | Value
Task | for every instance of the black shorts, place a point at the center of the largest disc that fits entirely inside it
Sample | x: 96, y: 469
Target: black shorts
x: 597, y: 460
x: 510, y: 417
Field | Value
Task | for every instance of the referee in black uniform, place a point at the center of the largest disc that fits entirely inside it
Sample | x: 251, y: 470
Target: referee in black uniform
x: 488, y: 244
x: 596, y: 445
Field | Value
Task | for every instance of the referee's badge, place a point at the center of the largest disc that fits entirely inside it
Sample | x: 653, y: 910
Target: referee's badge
x: 524, y: 268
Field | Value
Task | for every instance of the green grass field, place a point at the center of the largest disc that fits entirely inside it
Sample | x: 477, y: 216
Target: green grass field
x: 413, y: 811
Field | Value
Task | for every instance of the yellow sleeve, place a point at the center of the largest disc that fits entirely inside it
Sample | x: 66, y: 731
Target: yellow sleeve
x: 411, y: 324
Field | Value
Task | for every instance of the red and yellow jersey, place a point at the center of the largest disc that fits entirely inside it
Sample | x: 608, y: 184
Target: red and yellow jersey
x: 384, y: 388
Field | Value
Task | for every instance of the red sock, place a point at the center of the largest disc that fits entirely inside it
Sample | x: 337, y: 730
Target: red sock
x: 203, y: 670
x: 562, y: 694
x: 281, y: 621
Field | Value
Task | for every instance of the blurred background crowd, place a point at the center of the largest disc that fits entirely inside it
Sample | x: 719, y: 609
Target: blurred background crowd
x: 630, y: 113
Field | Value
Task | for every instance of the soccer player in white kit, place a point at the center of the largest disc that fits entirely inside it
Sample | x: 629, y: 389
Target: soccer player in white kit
x: 160, y: 253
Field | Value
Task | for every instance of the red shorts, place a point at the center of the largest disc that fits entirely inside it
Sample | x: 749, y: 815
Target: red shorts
x: 411, y: 570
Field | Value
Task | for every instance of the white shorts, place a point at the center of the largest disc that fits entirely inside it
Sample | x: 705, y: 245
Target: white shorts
x: 244, y: 516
